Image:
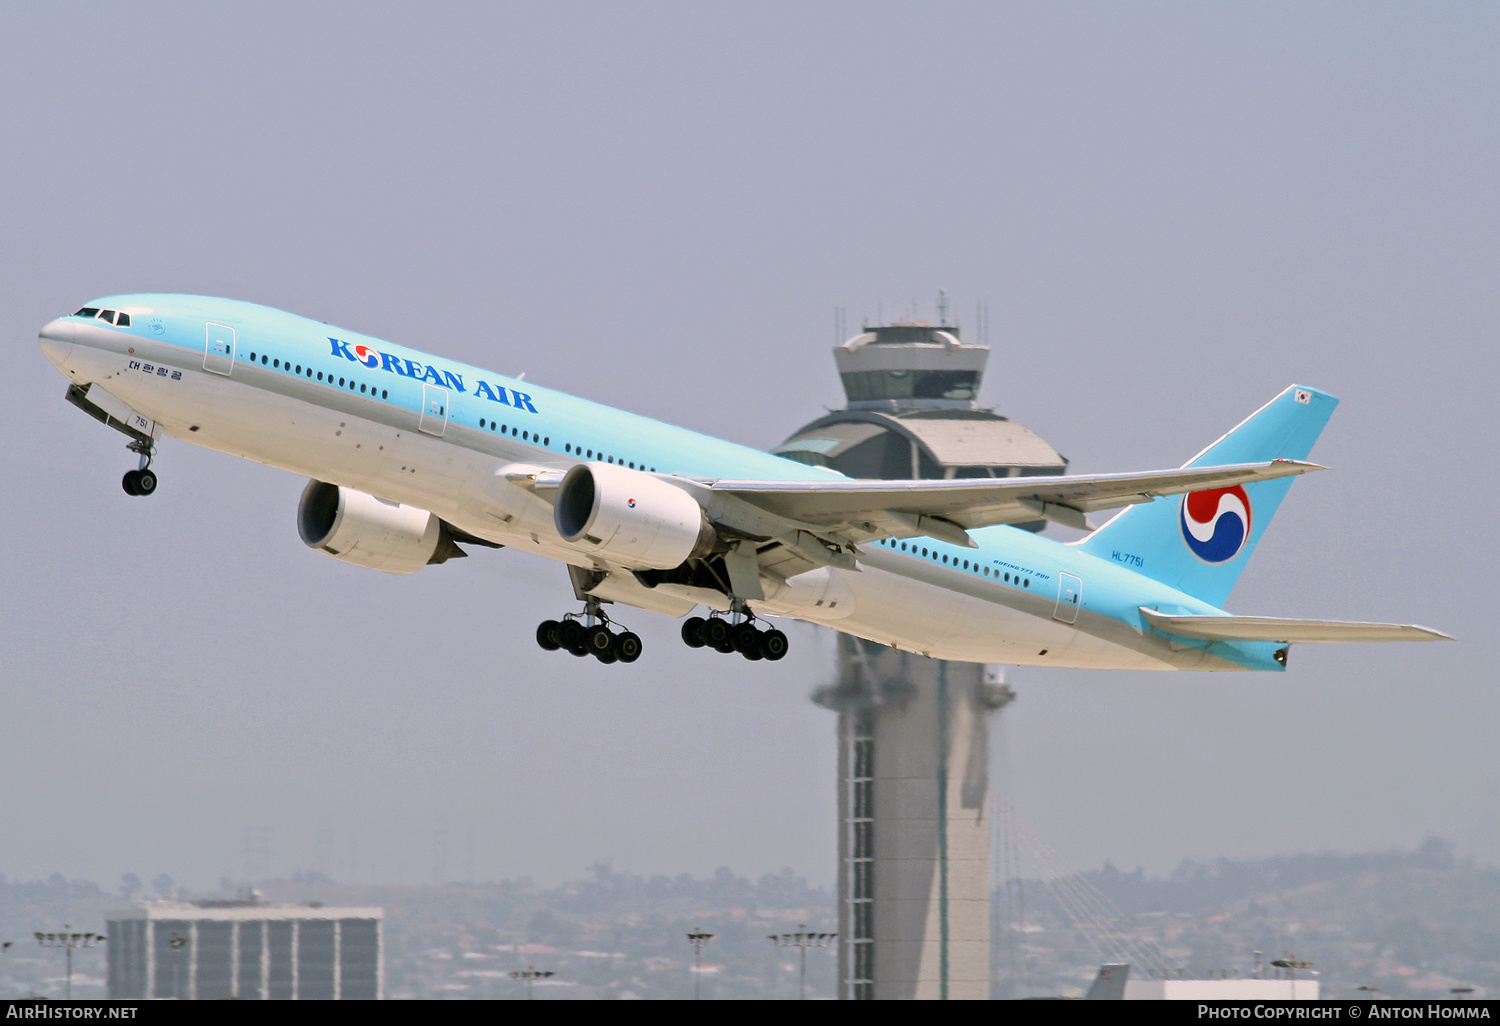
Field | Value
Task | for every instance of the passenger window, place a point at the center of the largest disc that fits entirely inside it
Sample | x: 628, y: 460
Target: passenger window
x: 1026, y: 583
x: 547, y: 440
x: 481, y: 422
x: 341, y: 382
x: 299, y: 368
x: 591, y: 454
x: 361, y: 389
x: 320, y: 375
x: 276, y: 364
x: 264, y: 360
x: 382, y: 393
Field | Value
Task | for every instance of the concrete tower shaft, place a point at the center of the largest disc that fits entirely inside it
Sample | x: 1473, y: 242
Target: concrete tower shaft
x: 914, y: 833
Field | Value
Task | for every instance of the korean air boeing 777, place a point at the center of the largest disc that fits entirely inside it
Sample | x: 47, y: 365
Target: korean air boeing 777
x: 412, y: 456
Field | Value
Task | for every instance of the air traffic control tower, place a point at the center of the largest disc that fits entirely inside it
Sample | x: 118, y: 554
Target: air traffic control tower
x: 914, y: 831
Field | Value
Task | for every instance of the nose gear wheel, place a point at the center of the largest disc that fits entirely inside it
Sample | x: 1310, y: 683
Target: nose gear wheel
x: 141, y: 481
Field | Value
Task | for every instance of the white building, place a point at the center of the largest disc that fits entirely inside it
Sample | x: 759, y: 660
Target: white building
x: 212, y: 950
x: 1114, y: 983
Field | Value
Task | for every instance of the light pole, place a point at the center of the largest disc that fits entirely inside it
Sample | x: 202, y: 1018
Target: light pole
x: 699, y: 938
x: 69, y: 941
x: 531, y: 974
x: 1291, y: 963
x: 177, y: 943
x: 802, y: 940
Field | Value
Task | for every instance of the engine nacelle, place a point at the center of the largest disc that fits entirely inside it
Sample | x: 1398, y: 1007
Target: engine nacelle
x: 631, y: 518
x: 361, y: 529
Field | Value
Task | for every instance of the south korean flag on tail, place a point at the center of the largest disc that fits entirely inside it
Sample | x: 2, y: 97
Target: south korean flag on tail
x: 1303, y: 396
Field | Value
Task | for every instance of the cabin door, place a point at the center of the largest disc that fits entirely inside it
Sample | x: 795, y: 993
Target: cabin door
x: 434, y: 410
x: 218, y: 348
x: 1069, y: 598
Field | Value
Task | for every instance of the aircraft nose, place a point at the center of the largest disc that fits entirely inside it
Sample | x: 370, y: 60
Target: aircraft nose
x: 57, y: 341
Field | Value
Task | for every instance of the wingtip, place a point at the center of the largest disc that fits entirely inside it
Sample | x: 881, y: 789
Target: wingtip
x: 1303, y: 466
x: 1433, y: 635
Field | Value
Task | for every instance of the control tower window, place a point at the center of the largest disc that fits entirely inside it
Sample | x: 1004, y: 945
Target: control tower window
x: 864, y: 386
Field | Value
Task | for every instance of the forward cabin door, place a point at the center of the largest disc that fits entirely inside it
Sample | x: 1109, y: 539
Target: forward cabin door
x: 1069, y: 598
x: 434, y: 420
x: 218, y: 348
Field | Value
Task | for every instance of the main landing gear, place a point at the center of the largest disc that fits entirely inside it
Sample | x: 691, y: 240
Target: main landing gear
x: 588, y: 633
x: 735, y: 635
x: 142, y: 481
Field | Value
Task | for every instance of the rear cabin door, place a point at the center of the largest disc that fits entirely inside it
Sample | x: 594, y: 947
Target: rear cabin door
x: 218, y: 348
x: 434, y: 420
x: 1069, y: 598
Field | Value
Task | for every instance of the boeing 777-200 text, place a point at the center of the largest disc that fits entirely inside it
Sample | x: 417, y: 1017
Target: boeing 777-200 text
x: 413, y: 456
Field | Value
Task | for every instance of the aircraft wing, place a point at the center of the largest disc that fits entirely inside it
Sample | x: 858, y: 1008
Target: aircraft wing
x: 1272, y: 628
x: 945, y: 509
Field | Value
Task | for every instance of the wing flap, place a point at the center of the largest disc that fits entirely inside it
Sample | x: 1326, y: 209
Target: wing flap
x: 1272, y: 628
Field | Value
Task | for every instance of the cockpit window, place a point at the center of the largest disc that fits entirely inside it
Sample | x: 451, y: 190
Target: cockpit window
x: 117, y: 318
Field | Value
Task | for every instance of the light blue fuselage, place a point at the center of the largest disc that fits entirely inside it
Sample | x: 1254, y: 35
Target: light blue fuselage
x: 303, y: 396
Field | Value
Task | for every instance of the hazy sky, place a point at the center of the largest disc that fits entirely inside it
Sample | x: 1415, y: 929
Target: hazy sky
x: 1172, y: 210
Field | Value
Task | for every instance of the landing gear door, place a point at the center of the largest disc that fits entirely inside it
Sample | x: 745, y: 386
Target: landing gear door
x: 218, y: 348
x: 1069, y: 598
x: 434, y: 419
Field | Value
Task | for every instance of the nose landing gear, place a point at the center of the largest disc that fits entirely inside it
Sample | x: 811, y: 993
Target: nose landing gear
x: 589, y: 635
x: 143, y: 480
x: 734, y: 635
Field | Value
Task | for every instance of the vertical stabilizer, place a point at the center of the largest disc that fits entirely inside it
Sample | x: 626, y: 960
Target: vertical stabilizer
x: 1200, y: 542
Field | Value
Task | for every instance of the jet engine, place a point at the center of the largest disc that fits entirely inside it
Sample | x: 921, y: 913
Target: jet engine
x: 631, y: 518
x: 375, y: 533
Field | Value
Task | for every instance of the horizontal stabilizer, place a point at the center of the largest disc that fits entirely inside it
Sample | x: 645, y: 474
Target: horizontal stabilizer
x: 1273, y: 628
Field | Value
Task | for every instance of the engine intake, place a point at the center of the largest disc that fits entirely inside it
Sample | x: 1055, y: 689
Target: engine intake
x: 631, y: 518
x: 374, y: 533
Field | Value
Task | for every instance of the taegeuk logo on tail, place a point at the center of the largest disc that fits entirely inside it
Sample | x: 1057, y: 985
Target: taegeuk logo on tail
x: 1216, y: 523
